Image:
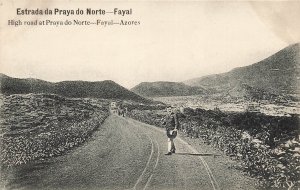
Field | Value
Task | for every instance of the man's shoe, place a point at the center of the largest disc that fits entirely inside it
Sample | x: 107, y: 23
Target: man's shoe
x: 173, y: 150
x: 169, y: 153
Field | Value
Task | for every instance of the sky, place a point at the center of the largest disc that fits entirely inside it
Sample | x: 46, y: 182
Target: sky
x: 176, y: 40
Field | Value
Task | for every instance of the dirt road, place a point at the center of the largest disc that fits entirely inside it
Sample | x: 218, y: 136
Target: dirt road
x: 126, y: 154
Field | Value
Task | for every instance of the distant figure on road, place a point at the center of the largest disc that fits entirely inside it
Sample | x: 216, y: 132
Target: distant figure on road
x: 171, y: 123
x: 121, y: 111
x: 113, y: 107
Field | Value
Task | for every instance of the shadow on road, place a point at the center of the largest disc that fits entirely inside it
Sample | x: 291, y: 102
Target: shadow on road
x: 183, y: 153
x: 22, y: 176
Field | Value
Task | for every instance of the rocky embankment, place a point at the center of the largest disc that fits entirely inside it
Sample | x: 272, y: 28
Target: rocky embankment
x: 38, y: 126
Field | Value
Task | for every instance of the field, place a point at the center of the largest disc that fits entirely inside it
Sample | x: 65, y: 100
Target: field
x: 267, y: 146
x: 38, y: 126
x: 234, y: 105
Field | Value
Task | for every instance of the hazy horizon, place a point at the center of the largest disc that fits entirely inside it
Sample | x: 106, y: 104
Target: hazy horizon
x: 119, y: 83
x: 176, y: 41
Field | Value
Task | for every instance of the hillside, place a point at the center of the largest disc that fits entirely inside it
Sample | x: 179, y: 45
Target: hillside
x: 37, y: 126
x: 75, y: 89
x: 279, y: 73
x: 159, y: 89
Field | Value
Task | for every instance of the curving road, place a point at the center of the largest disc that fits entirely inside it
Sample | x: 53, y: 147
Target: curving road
x: 122, y: 154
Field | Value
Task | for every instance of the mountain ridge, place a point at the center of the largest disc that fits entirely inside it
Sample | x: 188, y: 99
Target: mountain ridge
x: 273, y: 78
x: 278, y: 73
x: 275, y: 75
x: 106, y: 89
x: 165, y: 88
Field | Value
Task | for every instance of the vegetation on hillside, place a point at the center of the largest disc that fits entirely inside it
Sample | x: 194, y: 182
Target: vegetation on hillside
x: 267, y: 146
x: 159, y: 89
x: 38, y: 126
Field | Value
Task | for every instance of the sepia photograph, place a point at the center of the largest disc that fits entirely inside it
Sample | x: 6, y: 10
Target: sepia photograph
x: 149, y: 95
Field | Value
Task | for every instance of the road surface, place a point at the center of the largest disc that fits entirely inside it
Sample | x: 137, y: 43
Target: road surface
x: 126, y: 154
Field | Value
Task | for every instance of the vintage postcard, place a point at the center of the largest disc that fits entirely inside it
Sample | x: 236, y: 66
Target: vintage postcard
x: 149, y: 94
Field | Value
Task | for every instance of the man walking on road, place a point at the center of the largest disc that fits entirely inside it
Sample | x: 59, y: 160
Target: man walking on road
x: 171, y: 123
